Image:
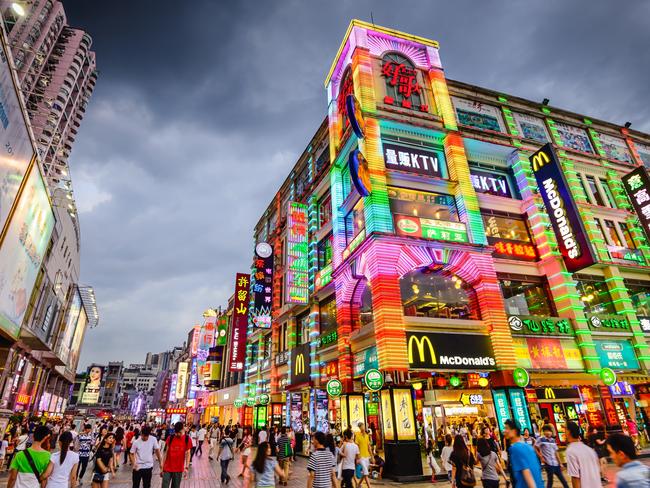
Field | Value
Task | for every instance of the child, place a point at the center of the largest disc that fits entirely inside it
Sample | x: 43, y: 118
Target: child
x: 445, y: 454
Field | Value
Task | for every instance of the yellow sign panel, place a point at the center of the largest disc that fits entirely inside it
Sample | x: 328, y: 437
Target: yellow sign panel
x: 344, y: 414
x: 416, y: 344
x: 404, y: 415
x: 300, y: 365
x: 540, y: 159
x: 357, y: 414
x: 387, y: 416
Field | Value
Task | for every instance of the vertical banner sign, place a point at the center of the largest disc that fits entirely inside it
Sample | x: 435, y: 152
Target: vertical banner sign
x: 239, y: 323
x: 215, y: 359
x: 222, y: 330
x: 519, y: 409
x: 562, y: 210
x: 181, y: 380
x: 172, y: 387
x: 300, y: 364
x: 502, y: 407
x: 206, y: 339
x: 637, y: 186
x: 297, y: 246
x: 262, y: 286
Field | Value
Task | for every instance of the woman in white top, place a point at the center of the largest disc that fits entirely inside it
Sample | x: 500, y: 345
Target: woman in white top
x: 62, y: 470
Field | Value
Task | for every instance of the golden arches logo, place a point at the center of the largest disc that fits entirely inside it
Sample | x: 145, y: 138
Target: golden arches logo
x: 540, y: 159
x: 419, y: 343
x: 549, y: 394
x: 300, y: 365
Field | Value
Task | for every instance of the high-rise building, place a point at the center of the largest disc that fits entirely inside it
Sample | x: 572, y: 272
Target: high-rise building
x: 57, y: 74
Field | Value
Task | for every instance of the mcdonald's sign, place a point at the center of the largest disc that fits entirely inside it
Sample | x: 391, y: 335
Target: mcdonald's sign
x: 551, y: 394
x: 562, y: 210
x: 431, y: 350
x: 300, y: 364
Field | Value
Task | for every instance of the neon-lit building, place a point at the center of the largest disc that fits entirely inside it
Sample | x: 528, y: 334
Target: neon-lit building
x: 412, y: 237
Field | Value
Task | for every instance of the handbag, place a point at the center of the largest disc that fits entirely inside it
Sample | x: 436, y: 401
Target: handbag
x: 467, y: 477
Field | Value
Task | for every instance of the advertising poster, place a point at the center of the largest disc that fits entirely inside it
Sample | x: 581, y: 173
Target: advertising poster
x: 93, y: 385
x: 643, y: 150
x: 479, y: 115
x: 239, y: 323
x: 531, y: 127
x: 616, y: 355
x: 215, y: 360
x: 562, y: 210
x: 574, y: 138
x: 295, y: 411
x: 387, y: 416
x: 262, y: 286
x: 615, y: 148
x: 70, y: 324
x: 502, y: 407
x: 77, y: 340
x: 519, y: 409
x: 222, y: 330
x: 404, y: 416
x: 322, y: 423
x: 22, y: 251
x: 15, y: 147
x: 548, y: 353
x: 357, y: 411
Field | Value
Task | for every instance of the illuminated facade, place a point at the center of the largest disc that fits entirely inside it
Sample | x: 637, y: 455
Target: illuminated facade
x: 429, y: 254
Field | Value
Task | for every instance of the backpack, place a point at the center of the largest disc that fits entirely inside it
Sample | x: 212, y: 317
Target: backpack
x: 172, y: 437
x: 467, y: 477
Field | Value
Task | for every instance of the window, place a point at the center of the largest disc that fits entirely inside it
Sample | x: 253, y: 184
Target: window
x: 355, y: 222
x: 600, y: 228
x: 323, y: 160
x: 346, y: 182
x: 594, y: 295
x: 423, y: 204
x: 284, y: 337
x: 302, y: 181
x: 608, y: 192
x: 325, y: 251
x: 591, y: 181
x: 627, y: 235
x: 401, y: 80
x: 613, y: 235
x: 324, y: 210
x: 639, y: 292
x: 365, y: 306
x: 502, y: 227
x: 302, y: 328
x: 427, y: 292
x: 328, y: 315
x: 525, y: 296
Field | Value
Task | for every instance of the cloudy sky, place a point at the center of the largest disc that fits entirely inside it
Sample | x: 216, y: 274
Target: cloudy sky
x: 203, y: 106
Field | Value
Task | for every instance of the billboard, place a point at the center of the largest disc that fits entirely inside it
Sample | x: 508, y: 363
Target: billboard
x: 300, y: 364
x: 562, y: 211
x: 70, y: 324
x: 297, y: 281
x: 206, y: 339
x: 433, y: 350
x: 637, y: 186
x: 16, y: 149
x: 93, y: 385
x: 22, y: 251
x: 239, y: 323
x: 262, y: 286
x: 75, y: 348
x: 181, y: 380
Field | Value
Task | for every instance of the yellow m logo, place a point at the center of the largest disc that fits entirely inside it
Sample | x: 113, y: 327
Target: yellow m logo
x: 419, y: 343
x: 549, y: 394
x: 540, y: 159
x: 300, y: 365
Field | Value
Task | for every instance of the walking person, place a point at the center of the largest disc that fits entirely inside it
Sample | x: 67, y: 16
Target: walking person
x: 284, y: 454
x: 104, y: 462
x: 462, y: 464
x: 215, y: 438
x: 225, y: 455
x: 349, y: 460
x: 200, y: 437
x: 362, y: 439
x: 581, y: 460
x: 62, y: 470
x: 128, y: 440
x: 28, y: 465
x: 522, y: 458
x: 193, y: 437
x: 264, y: 468
x: 633, y: 473
x: 141, y: 455
x: 177, y: 457
x: 119, y: 445
x: 547, y: 451
x: 321, y: 464
x: 85, y: 450
x: 490, y: 464
x: 245, y: 448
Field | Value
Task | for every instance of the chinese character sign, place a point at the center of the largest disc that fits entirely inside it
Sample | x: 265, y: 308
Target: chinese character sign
x: 262, y: 287
x: 297, y: 280
x: 637, y: 186
x: 239, y: 322
x: 206, y: 339
x: 403, y: 78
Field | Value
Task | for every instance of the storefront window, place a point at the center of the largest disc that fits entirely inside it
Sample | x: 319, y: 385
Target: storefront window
x: 639, y: 292
x: 594, y: 295
x: 525, y: 297
x: 328, y: 314
x: 355, y: 222
x: 501, y: 227
x: 613, y: 235
x: 364, y: 304
x: 428, y: 293
x: 627, y: 235
x: 302, y: 328
x: 324, y: 210
x: 325, y: 251
x: 423, y: 204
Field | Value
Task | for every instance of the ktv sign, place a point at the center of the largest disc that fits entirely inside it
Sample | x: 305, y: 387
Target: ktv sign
x: 561, y: 209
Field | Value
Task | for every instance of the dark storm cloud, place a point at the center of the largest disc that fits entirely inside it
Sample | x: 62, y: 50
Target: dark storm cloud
x: 195, y: 99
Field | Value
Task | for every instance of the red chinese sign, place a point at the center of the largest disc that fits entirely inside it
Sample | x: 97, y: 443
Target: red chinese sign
x: 594, y: 416
x: 329, y: 370
x: 403, y: 78
x: 239, y: 322
x: 531, y: 395
x: 546, y: 353
x: 608, y: 405
x: 181, y: 411
x: 347, y: 88
x: 518, y: 250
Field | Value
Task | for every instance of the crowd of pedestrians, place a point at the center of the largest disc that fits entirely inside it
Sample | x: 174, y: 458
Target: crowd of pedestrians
x: 57, y: 456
